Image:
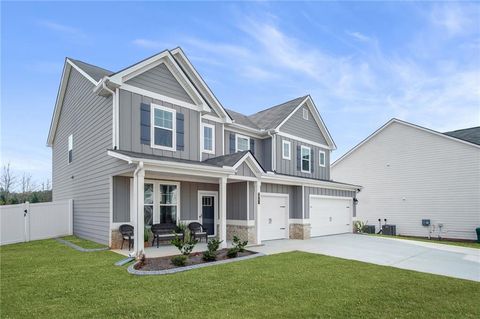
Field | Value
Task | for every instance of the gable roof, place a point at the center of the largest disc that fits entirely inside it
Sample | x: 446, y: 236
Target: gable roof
x: 95, y: 72
x: 471, y: 135
x: 273, y: 116
x: 394, y: 120
x: 242, y: 119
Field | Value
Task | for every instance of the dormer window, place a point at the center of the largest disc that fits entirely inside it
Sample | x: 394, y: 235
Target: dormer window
x: 305, y: 113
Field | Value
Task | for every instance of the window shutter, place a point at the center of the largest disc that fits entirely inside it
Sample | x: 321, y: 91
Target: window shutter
x: 145, y: 123
x: 299, y: 158
x: 252, y: 146
x: 312, y: 161
x: 180, y: 132
x: 232, y: 143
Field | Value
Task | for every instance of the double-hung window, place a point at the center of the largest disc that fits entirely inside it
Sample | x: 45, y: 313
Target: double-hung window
x: 321, y: 158
x: 70, y: 149
x: 208, y: 138
x: 163, y: 128
x: 306, y: 159
x: 242, y: 143
x: 286, y: 150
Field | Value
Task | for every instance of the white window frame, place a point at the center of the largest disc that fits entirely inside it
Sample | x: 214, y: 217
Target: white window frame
x: 284, y: 143
x: 305, y: 113
x: 156, y: 198
x: 70, y: 148
x: 173, y: 129
x: 237, y: 136
x: 320, y: 157
x: 309, y: 159
x: 202, y: 141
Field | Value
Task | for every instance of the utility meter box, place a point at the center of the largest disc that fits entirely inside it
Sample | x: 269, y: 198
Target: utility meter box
x: 425, y: 222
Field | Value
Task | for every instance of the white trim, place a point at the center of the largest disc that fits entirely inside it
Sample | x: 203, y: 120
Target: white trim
x: 223, y: 139
x: 316, y: 116
x: 153, y: 126
x: 189, y: 67
x: 202, y: 138
x: 200, y: 195
x: 273, y: 178
x: 285, y: 142
x: 250, y: 161
x: 303, y: 201
x: 394, y: 120
x: 287, y: 208
x: 248, y: 200
x: 242, y: 130
x: 70, y: 148
x: 243, y: 178
x: 116, y: 122
x: 156, y: 199
x: 299, y: 221
x: 157, y: 96
x: 88, y: 77
x: 305, y: 113
x: 303, y: 140
x: 332, y: 197
x: 237, y: 136
x: 212, y: 118
x: 302, y: 147
x: 238, y: 222
x: 324, y: 158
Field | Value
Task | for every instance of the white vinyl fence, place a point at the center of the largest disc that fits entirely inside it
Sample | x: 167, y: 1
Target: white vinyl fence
x: 26, y: 222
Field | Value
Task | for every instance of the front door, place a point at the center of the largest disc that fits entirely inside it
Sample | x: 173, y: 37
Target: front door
x: 208, y: 214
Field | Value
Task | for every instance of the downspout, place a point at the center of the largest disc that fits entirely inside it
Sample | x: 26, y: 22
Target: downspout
x: 274, y: 155
x: 114, y: 117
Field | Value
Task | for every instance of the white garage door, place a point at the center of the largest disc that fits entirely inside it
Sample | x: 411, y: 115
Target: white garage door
x: 330, y: 216
x: 274, y: 216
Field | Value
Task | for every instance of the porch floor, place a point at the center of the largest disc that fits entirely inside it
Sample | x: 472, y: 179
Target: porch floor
x: 165, y: 250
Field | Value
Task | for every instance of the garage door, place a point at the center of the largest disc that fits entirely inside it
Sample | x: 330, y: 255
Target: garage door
x: 274, y: 216
x: 330, y: 216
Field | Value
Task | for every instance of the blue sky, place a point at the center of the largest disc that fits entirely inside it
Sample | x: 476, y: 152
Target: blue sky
x: 363, y: 63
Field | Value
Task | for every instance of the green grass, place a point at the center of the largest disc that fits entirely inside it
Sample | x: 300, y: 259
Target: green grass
x: 83, y: 242
x: 436, y: 241
x: 45, y: 279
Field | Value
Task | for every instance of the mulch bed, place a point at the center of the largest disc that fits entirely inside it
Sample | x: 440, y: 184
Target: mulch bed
x: 162, y: 263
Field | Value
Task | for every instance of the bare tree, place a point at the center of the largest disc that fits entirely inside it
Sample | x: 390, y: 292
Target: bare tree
x: 7, y: 180
x: 26, y: 183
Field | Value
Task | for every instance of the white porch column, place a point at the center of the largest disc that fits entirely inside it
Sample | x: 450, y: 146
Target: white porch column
x: 223, y: 211
x: 258, y: 188
x: 138, y: 191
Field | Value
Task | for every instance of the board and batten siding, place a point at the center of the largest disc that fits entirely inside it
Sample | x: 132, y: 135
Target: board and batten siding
x: 218, y: 140
x: 189, y: 198
x: 294, y: 197
x: 87, y: 179
x: 237, y: 201
x: 289, y: 167
x: 260, y: 152
x: 409, y: 174
x: 324, y: 192
x: 160, y: 80
x: 308, y: 129
x: 129, y: 119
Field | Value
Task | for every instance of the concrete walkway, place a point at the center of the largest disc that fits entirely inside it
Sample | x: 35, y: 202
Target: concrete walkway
x: 447, y: 260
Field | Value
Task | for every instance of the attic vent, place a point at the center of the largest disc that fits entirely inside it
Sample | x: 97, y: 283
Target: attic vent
x: 305, y: 114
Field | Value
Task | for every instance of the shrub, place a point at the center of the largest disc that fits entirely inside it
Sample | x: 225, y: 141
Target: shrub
x: 238, y: 244
x: 359, y: 226
x: 146, y: 233
x: 211, y: 253
x: 179, y: 261
x: 186, y: 245
x: 232, y: 252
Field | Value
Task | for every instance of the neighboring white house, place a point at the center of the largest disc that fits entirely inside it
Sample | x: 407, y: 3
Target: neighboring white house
x: 410, y: 173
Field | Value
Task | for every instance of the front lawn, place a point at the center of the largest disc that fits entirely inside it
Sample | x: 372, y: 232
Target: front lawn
x: 469, y: 244
x: 45, y: 279
x: 87, y: 244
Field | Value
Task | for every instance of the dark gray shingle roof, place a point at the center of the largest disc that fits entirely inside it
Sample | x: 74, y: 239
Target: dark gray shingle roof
x: 272, y: 117
x: 226, y: 160
x: 241, y: 119
x: 97, y: 73
x: 471, y: 135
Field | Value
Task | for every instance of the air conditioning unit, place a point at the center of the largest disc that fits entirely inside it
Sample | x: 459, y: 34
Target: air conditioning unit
x: 369, y: 229
x: 389, y: 230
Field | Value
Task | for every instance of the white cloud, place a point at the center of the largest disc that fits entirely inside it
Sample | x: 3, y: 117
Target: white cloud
x: 358, y: 36
x: 149, y: 44
x: 454, y: 18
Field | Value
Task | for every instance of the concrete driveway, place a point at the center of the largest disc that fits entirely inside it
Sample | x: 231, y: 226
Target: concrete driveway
x: 447, y: 260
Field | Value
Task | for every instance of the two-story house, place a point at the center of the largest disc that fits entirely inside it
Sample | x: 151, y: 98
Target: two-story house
x: 152, y: 144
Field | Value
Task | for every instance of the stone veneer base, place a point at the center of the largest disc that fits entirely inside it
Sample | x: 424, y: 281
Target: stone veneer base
x: 243, y: 232
x: 299, y: 231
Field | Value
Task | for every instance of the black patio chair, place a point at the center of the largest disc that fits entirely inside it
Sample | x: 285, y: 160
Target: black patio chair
x: 127, y: 234
x: 198, y: 231
x: 164, y: 232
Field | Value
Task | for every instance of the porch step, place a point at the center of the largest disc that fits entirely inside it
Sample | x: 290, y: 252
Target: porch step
x: 124, y: 261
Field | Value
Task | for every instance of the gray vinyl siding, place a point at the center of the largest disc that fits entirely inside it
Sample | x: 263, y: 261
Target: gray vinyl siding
x: 189, y: 198
x: 244, y: 170
x: 87, y: 178
x: 130, y: 127
x: 237, y: 201
x: 251, y: 200
x: 294, y: 197
x: 121, y: 199
x: 307, y: 129
x: 160, y: 80
x: 259, y: 152
x: 289, y: 167
x: 326, y: 192
x: 218, y: 140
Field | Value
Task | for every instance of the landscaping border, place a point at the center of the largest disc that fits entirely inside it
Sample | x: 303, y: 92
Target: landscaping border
x: 76, y: 247
x: 131, y: 269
